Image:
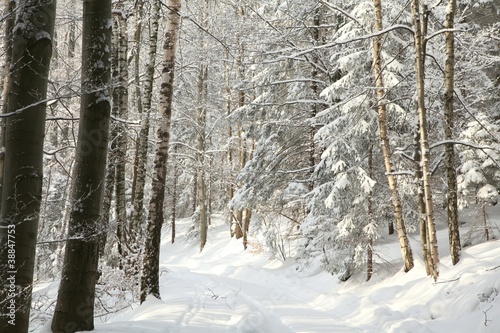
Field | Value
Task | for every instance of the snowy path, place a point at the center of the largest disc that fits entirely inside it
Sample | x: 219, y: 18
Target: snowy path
x: 223, y: 290
x: 226, y: 289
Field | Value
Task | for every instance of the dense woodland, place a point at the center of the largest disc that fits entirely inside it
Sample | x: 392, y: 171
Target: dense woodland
x: 315, y: 126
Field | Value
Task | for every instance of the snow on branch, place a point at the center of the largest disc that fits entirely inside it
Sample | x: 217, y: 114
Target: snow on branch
x: 354, y: 39
x: 442, y: 31
x: 463, y: 143
x: 332, y: 6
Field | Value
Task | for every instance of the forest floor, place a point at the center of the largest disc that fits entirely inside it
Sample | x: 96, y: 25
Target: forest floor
x: 226, y: 289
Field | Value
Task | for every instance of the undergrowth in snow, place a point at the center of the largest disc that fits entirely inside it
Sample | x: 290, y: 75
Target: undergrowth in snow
x: 227, y: 289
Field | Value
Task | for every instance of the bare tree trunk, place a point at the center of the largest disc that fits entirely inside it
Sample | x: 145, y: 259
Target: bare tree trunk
x: 150, y: 273
x: 485, y: 223
x: 316, y: 91
x: 121, y: 89
x: 137, y: 219
x: 239, y: 228
x: 75, y: 301
x: 174, y: 197
x: 230, y: 185
x: 419, y: 27
x: 369, y: 254
x: 386, y: 148
x: 136, y: 48
x: 422, y: 215
x: 246, y: 226
x: 110, y: 178
x: 200, y: 137
x: 24, y: 135
x: 451, y: 174
x: 10, y: 16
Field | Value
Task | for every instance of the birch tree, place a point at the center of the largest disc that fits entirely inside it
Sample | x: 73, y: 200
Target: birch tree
x: 420, y: 16
x: 451, y: 173
x: 75, y: 301
x: 137, y: 217
x: 23, y: 168
x: 151, y: 262
x: 385, y: 144
x: 121, y: 128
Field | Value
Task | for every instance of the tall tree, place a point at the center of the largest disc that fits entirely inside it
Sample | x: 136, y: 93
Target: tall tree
x: 200, y: 154
x: 385, y: 144
x: 24, y: 133
x: 137, y: 217
x: 75, y: 301
x: 10, y: 16
x: 451, y: 173
x: 420, y: 19
x: 121, y: 89
x: 150, y: 273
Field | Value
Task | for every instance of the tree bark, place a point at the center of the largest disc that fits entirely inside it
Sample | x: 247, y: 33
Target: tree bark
x: 420, y: 27
x: 369, y: 252
x: 200, y: 138
x: 137, y: 219
x: 385, y: 145
x: 121, y: 89
x: 75, y: 301
x: 32, y: 43
x: 150, y: 273
x: 451, y: 173
x: 422, y: 215
x: 10, y: 16
x: 136, y: 49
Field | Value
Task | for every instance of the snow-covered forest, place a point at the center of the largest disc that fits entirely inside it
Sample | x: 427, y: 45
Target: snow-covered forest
x: 249, y: 166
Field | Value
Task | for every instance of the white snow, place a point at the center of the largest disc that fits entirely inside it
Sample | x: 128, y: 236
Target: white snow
x: 226, y: 289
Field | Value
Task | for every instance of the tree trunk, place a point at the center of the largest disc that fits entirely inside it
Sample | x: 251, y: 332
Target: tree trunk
x: 174, y: 197
x: 229, y: 155
x: 136, y: 49
x: 369, y: 252
x: 200, y: 137
x: 75, y: 301
x: 137, y: 219
x: 451, y: 173
x: 246, y: 227
x: 121, y: 89
x: 422, y: 215
x: 24, y: 134
x: 385, y: 145
x: 150, y: 273
x: 10, y: 16
x: 420, y: 27
x: 110, y: 178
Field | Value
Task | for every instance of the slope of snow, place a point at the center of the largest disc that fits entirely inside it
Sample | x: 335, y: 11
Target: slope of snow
x: 226, y: 289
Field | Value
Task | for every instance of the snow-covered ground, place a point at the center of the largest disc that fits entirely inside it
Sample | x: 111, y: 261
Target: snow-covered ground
x: 226, y: 289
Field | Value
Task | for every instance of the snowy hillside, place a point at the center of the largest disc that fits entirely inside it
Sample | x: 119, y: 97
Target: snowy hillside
x: 226, y: 289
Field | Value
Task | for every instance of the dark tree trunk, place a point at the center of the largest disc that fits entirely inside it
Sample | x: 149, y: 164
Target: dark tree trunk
x: 10, y: 16
x: 451, y: 173
x: 75, y: 302
x: 23, y: 168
